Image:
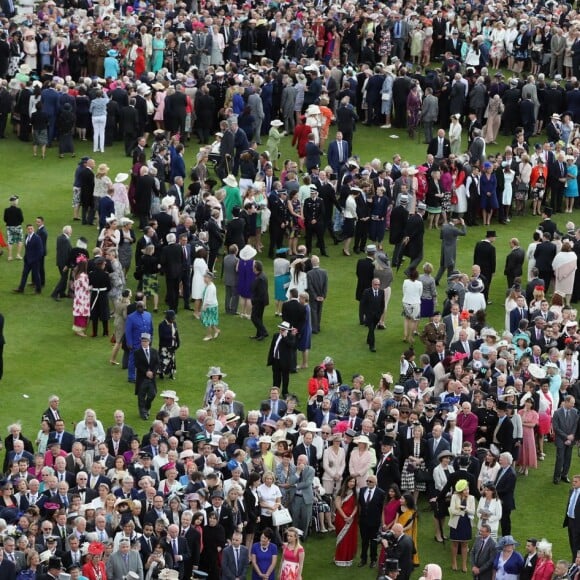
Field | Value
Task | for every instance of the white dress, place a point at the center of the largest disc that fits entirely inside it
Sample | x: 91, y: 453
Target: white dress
x: 507, y: 195
x: 198, y: 285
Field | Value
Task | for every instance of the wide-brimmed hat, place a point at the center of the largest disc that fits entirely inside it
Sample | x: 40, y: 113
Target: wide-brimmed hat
x: 276, y: 123
x: 461, y: 485
x: 536, y: 371
x: 231, y: 417
x: 383, y: 259
x: 444, y: 454
x: 231, y: 181
x: 120, y: 177
x: 247, y: 252
x: 168, y: 574
x: 170, y: 395
x: 112, y: 53
x: 158, y: 86
x: 265, y: 439
x: 215, y: 372
x: 362, y: 439
x: 506, y: 541
x: 126, y: 221
x: 285, y: 326
x: 312, y: 428
x: 476, y: 285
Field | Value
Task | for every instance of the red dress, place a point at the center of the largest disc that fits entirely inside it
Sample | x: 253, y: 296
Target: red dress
x: 290, y: 563
x: 346, y: 534
x: 93, y: 572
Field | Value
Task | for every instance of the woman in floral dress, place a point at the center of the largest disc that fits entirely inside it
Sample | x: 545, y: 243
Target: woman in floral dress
x: 209, y: 308
x: 82, y: 297
x: 292, y: 556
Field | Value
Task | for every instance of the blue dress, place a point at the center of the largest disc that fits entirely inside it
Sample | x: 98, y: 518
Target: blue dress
x: 462, y: 533
x: 245, y: 278
x: 306, y: 333
x: 264, y: 559
x: 488, y: 185
x: 572, y: 184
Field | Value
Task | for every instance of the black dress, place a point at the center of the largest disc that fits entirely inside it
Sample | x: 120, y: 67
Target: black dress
x: 214, y: 537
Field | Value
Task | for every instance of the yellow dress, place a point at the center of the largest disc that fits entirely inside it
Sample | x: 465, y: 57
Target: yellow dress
x: 406, y: 517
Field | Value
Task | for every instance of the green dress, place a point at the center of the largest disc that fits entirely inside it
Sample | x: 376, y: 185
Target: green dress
x: 273, y: 144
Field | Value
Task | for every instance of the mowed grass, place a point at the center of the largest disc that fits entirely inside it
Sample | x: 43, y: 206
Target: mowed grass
x: 42, y: 356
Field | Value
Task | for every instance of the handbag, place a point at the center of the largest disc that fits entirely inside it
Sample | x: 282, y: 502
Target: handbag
x: 422, y: 475
x: 281, y: 517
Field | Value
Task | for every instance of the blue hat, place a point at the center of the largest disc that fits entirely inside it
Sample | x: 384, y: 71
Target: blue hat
x: 281, y: 251
x: 343, y: 388
x: 487, y: 165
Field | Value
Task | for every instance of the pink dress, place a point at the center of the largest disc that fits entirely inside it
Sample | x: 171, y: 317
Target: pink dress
x: 81, y: 302
x: 290, y: 563
x: 160, y: 102
x: 528, y: 456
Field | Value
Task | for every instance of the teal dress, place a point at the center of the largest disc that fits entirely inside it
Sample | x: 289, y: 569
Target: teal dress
x: 572, y: 184
x: 158, y: 45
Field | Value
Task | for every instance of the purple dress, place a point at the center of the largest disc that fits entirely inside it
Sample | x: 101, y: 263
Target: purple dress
x: 245, y: 278
x: 306, y: 333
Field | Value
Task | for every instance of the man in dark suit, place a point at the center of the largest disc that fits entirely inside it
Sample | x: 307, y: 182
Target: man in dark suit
x: 564, y: 424
x: 557, y: 182
x: 453, y: 45
x: 544, y: 254
x: 435, y: 445
x: 172, y: 263
x: 530, y: 560
x: 281, y: 355
x: 484, y: 257
x: 463, y: 345
x: 535, y: 281
x: 65, y: 439
x: 148, y: 541
x: 129, y: 126
x: 260, y: 299
x: 175, y: 110
x: 146, y: 366
x: 518, y: 313
x: 63, y: 250
x: 572, y: 516
x: 514, y: 262
x: 365, y: 269
x: 439, y: 146
x: 388, y: 469
x: 53, y: 570
x: 372, y: 306
x: 126, y: 431
x: 317, y: 279
x: 338, y: 153
x: 33, y: 256
x: 402, y: 549
x: 81, y: 489
x: 505, y: 485
x: 483, y: 554
x: 177, y: 546
x: 235, y: 559
x: 223, y: 513
x: 370, y: 502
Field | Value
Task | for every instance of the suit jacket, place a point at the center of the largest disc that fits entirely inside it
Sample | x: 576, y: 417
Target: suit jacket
x: 66, y: 441
x: 514, y: 262
x: 8, y: 570
x: 433, y: 452
x: 317, y: 283
x: 142, y: 365
x: 34, y: 249
x: 182, y: 550
x: 229, y: 569
x: 564, y: 426
x: 403, y: 552
x: 303, y: 484
x: 482, y: 556
x: 285, y: 348
x: 505, y: 486
x: 118, y: 570
x: 370, y: 513
x: 527, y: 571
x: 504, y: 434
x: 63, y: 248
x: 123, y: 446
x: 371, y: 306
x: 260, y: 290
x: 301, y: 450
x: 387, y: 471
x: 449, y: 234
x: 145, y: 551
x: 434, y: 146
x: 87, y: 494
x: 226, y: 519
x: 516, y: 316
x: 484, y: 257
x: 544, y: 254
x: 294, y: 312
x: 457, y: 346
x: 334, y: 157
x: 365, y: 270
x: 171, y: 260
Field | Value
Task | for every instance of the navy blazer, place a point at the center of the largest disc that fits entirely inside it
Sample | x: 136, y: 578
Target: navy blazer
x: 34, y: 251
x: 333, y: 157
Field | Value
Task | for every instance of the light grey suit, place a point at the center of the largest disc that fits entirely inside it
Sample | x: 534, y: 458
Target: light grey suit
x: 564, y: 423
x: 287, y: 107
x: 317, y: 288
x: 19, y: 559
x: 257, y: 109
x: 303, y: 498
x: 557, y: 50
x: 117, y: 569
x: 429, y: 114
x: 482, y: 556
x: 529, y: 91
x: 448, y: 235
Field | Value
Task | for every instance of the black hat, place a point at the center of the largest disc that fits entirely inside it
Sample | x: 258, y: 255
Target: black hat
x: 54, y: 562
x: 52, y: 442
x: 490, y: 234
x: 350, y: 432
x: 392, y: 565
x: 145, y: 455
x: 502, y: 406
x: 548, y: 211
x: 388, y: 441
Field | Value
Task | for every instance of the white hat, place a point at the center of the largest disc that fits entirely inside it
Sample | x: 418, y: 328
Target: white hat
x: 168, y: 201
x: 312, y: 427
x: 112, y: 218
x: 126, y: 221
x: 120, y: 177
x: 361, y: 439
x: 537, y: 371
x: 276, y: 123
x: 247, y: 252
x: 265, y: 439
x: 231, y: 181
x: 170, y: 395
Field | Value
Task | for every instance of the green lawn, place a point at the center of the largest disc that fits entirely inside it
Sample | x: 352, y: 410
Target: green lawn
x: 42, y: 356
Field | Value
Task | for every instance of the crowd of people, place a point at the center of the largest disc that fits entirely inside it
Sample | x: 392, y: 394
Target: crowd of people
x: 212, y: 492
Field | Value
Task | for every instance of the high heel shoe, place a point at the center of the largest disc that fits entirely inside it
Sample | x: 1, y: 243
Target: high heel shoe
x: 114, y: 362
x: 345, y: 253
x: 439, y: 541
x: 217, y: 333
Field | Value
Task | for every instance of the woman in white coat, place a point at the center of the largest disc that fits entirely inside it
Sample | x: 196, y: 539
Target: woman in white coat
x: 455, y: 433
x: 489, y: 509
x: 455, y: 134
x: 333, y: 464
x: 564, y: 266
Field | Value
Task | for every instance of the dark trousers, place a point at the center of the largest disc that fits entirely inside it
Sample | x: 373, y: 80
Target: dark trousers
x: 186, y: 287
x: 563, y: 459
x: 129, y: 141
x: 258, y: 318
x: 232, y: 299
x: 276, y: 239
x: 487, y: 286
x: 3, y: 120
x: 556, y: 197
x: 145, y: 397
x: 172, y: 294
x: 361, y: 232
x: 60, y: 289
x: 315, y: 315
x: 1, y: 361
x: 88, y: 215
x: 29, y: 267
x: 547, y: 278
x: 213, y: 254
x: 573, y: 535
x: 42, y: 273
x: 318, y: 230
x: 450, y: 269
x: 367, y: 536
x: 506, y: 522
x: 280, y: 377
x: 415, y: 261
x: 371, y: 323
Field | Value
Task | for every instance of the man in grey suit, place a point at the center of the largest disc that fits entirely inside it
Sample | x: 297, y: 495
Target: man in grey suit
x: 448, y: 236
x: 257, y: 109
x: 483, y: 554
x: 477, y: 148
x: 429, y: 114
x: 235, y: 559
x: 557, y: 48
x: 301, y: 508
x: 317, y: 289
x: 10, y: 553
x: 564, y: 423
x: 123, y: 561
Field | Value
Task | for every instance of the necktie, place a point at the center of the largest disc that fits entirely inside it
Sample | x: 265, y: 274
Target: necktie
x: 148, y: 541
x: 147, y: 354
x: 307, y: 449
x: 217, y: 514
x: 340, y: 157
x: 237, y: 558
x: 398, y: 30
x: 481, y: 548
x: 369, y: 493
x: 376, y: 294
x: 101, y: 536
x: 572, y: 503
x: 175, y: 547
x: 562, y: 168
